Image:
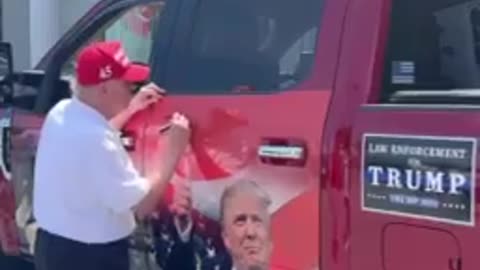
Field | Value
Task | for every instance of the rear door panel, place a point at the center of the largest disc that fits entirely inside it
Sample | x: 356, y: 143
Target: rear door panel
x: 426, y: 147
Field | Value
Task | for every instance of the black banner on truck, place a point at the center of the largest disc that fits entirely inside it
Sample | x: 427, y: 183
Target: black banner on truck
x: 419, y: 177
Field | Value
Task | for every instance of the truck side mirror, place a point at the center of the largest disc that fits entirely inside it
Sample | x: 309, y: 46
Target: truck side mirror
x: 6, y: 60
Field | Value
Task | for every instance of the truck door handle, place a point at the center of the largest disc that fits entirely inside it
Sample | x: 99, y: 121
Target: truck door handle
x: 283, y: 152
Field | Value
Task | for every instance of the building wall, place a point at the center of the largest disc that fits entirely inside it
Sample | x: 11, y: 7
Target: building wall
x: 15, y: 29
x: 44, y: 27
x: 33, y: 26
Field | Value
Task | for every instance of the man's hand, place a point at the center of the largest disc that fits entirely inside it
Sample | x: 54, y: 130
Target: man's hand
x: 177, y: 136
x: 147, y: 95
x: 178, y: 139
x: 179, y: 133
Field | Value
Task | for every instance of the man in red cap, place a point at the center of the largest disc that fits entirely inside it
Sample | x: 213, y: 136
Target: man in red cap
x: 87, y: 191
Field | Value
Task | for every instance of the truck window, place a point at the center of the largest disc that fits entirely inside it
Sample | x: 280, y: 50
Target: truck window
x: 133, y: 28
x: 250, y: 45
x: 433, y: 47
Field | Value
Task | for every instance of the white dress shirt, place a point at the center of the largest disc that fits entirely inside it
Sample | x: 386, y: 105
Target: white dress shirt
x: 85, y: 184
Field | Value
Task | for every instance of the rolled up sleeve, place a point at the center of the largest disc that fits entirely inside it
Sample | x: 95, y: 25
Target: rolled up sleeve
x: 116, y: 181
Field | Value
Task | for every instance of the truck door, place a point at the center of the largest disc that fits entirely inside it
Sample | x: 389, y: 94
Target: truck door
x: 255, y: 79
x: 415, y: 131
x: 136, y: 24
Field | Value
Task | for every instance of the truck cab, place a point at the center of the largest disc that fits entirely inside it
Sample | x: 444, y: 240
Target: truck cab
x: 328, y: 105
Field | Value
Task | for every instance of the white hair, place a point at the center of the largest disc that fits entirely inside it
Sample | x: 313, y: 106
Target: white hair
x: 74, y: 87
x: 247, y: 187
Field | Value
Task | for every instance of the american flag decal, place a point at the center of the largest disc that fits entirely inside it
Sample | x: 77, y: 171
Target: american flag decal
x: 403, y: 72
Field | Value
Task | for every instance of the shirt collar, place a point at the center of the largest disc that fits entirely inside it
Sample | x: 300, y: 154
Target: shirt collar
x: 91, y: 113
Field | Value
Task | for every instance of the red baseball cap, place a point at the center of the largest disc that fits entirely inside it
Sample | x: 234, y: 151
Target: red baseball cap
x: 106, y: 60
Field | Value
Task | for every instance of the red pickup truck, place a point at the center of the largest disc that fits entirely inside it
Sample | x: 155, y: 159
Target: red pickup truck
x: 329, y: 105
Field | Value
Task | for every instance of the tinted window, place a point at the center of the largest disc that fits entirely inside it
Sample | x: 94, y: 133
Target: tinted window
x: 432, y: 45
x: 259, y: 45
x: 133, y: 28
